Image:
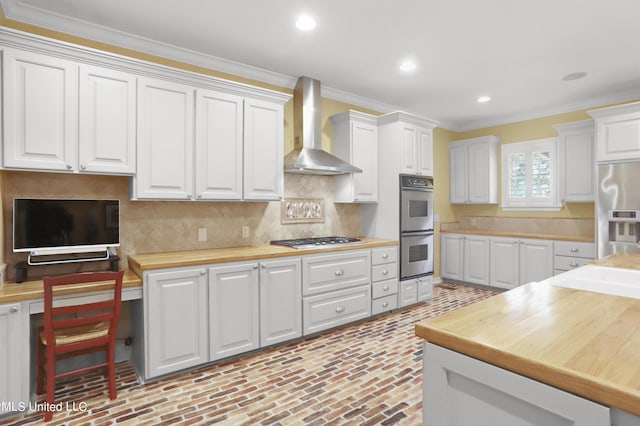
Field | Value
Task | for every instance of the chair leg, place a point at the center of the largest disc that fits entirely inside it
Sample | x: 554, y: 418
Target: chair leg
x: 39, y: 366
x: 50, y: 385
x: 111, y: 370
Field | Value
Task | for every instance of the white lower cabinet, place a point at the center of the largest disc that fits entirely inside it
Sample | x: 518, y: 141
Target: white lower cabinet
x: 384, y: 279
x: 460, y: 390
x: 451, y: 256
x: 234, y: 300
x: 568, y: 255
x: 280, y: 301
x: 519, y: 261
x: 336, y: 289
x: 465, y: 258
x: 14, y: 367
x: 176, y: 319
x: 414, y: 290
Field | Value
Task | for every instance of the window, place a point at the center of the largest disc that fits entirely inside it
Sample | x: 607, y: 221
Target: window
x: 529, y: 175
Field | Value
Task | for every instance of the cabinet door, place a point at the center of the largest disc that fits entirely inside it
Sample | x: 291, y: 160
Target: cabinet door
x: 165, y: 140
x: 233, y: 309
x: 451, y: 256
x: 263, y: 150
x: 476, y: 259
x: 107, y: 121
x: 40, y: 111
x: 14, y: 368
x: 618, y: 137
x: 218, y: 159
x: 364, y: 150
x: 478, y: 162
x: 408, y: 149
x: 280, y: 301
x: 408, y: 292
x: 458, y: 174
x: 577, y: 165
x: 505, y: 262
x: 425, y: 288
x: 536, y: 260
x: 176, y: 319
x: 460, y: 390
x: 425, y: 152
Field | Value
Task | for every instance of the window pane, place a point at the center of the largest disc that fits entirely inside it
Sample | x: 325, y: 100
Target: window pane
x: 517, y: 175
x: 541, y: 174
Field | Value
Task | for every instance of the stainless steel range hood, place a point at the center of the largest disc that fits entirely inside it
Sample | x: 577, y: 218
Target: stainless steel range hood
x: 307, y: 156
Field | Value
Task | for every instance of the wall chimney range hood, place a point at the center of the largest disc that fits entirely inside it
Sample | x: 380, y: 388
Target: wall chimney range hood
x: 307, y: 156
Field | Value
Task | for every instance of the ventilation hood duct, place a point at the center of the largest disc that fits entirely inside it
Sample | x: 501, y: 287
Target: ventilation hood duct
x: 307, y: 156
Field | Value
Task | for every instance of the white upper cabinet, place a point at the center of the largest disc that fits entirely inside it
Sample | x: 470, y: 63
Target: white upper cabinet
x: 165, y: 140
x: 40, y: 111
x: 218, y: 158
x: 355, y: 140
x: 473, y: 171
x: 617, y: 132
x: 577, y: 161
x: 64, y: 116
x: 412, y: 138
x: 263, y: 150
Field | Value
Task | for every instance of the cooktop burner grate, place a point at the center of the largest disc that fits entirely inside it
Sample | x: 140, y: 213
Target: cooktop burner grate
x: 315, y: 242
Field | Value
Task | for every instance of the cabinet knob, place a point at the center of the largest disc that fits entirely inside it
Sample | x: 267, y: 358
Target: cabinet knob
x: 83, y: 166
x: 574, y: 250
x: 339, y: 272
x: 263, y: 265
x: 385, y: 304
x: 69, y: 167
x: 340, y: 309
x: 385, y: 288
x: 385, y: 272
x: 199, y: 195
x: 385, y: 256
x: 255, y: 266
x: 13, y: 309
x: 203, y: 272
x: 574, y: 264
x: 188, y: 195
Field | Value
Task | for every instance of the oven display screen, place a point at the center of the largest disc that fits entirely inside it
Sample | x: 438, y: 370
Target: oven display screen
x: 418, y: 208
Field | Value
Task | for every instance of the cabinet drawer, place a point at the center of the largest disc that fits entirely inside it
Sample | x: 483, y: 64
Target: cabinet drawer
x: 384, y: 272
x: 384, y: 304
x: 324, y: 273
x: 568, y: 248
x: 565, y: 263
x: 336, y: 308
x: 384, y: 255
x: 384, y: 288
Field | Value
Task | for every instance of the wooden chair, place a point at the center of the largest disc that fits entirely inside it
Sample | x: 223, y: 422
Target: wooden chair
x: 69, y: 331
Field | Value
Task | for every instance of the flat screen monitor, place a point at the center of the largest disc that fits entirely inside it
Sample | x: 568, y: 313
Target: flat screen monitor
x: 61, y: 226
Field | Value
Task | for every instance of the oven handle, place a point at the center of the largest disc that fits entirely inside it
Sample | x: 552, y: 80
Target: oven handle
x: 417, y: 233
x: 406, y: 188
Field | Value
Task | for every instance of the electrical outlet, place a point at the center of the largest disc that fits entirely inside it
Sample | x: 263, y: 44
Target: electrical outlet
x: 202, y: 234
x: 245, y: 232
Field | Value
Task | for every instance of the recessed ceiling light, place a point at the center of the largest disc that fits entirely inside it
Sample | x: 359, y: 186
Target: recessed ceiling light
x: 574, y: 76
x: 408, y: 65
x: 305, y: 23
x: 484, y: 99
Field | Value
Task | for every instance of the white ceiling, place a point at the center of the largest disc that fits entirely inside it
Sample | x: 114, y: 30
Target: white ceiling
x: 512, y: 50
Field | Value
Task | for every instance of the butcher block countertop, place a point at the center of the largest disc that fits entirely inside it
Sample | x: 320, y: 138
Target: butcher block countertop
x: 512, y: 234
x: 14, y: 292
x: 144, y: 262
x: 583, y: 342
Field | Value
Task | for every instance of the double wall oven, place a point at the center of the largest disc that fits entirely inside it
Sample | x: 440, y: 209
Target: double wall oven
x: 416, y: 226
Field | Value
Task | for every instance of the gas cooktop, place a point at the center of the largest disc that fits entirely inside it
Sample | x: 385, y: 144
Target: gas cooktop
x: 305, y: 243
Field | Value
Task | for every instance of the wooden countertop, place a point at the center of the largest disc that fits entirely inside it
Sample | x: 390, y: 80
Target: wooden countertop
x: 143, y: 262
x: 583, y: 342
x: 619, y: 260
x: 577, y: 238
x: 14, y: 292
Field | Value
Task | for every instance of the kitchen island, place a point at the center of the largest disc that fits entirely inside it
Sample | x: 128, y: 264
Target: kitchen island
x: 543, y: 353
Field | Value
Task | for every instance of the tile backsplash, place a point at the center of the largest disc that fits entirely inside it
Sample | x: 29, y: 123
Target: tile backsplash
x: 155, y: 226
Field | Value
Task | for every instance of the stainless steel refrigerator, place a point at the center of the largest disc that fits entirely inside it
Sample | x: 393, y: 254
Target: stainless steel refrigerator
x: 618, y: 221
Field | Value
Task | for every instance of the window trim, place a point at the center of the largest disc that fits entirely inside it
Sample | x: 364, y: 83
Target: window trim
x: 528, y: 204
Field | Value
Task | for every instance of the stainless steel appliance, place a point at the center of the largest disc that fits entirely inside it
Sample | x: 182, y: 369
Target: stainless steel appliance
x: 416, y: 226
x: 320, y: 242
x: 618, y: 221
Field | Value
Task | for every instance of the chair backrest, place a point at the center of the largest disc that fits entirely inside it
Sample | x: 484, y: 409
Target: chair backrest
x: 82, y: 314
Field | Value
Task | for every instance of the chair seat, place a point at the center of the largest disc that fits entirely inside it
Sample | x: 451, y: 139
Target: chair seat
x: 66, y: 336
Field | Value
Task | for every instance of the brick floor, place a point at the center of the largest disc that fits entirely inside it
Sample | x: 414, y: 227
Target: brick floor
x: 367, y: 373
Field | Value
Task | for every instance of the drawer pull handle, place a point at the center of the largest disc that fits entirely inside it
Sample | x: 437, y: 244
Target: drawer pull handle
x: 574, y: 264
x: 574, y: 250
x: 340, y: 309
x: 339, y: 272
x: 385, y: 256
x: 13, y: 309
x: 385, y: 304
x: 385, y: 288
x: 385, y: 272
